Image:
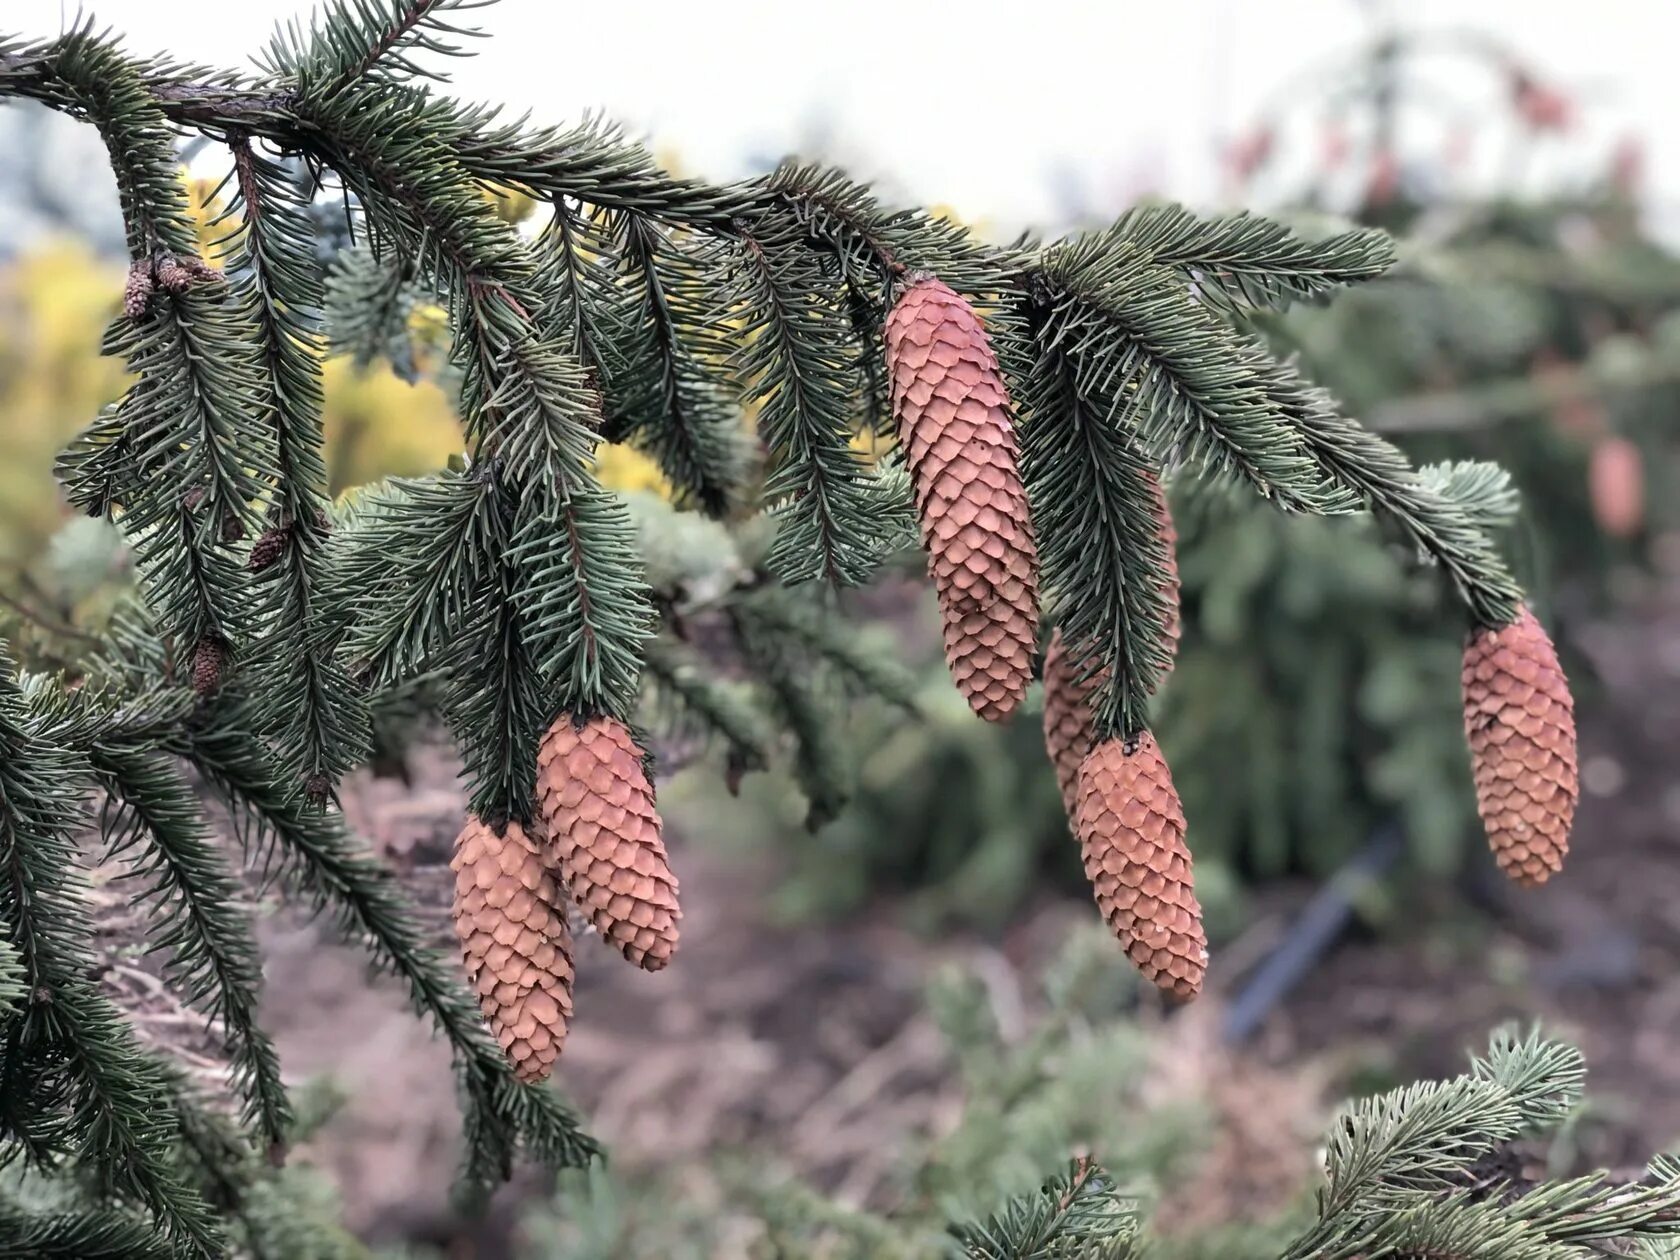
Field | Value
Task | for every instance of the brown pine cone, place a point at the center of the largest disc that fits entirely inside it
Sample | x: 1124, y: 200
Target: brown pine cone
x: 511, y: 921
x: 209, y: 663
x: 269, y: 547
x: 959, y: 439
x: 172, y: 275
x: 137, y: 293
x: 1067, y: 718
x: 1520, y: 720
x: 1131, y: 833
x: 604, y: 835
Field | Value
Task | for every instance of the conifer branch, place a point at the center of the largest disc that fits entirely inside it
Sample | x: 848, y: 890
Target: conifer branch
x: 71, y: 1044
x: 1101, y: 545
x: 367, y: 904
x: 301, y: 697
x: 214, y: 957
x: 1247, y: 262
x: 793, y: 358
x: 689, y: 425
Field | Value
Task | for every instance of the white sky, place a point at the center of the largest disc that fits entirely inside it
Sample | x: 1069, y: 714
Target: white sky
x: 997, y: 109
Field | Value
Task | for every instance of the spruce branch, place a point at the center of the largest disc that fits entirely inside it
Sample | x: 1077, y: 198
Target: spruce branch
x: 409, y: 558
x: 97, y: 1233
x: 70, y: 1043
x: 350, y: 43
x: 192, y: 468
x: 1365, y: 464
x: 1134, y: 331
x: 213, y: 954
x: 793, y: 357
x: 1100, y: 544
x: 365, y: 902
x: 301, y: 697
x: 1248, y: 262
x: 678, y: 299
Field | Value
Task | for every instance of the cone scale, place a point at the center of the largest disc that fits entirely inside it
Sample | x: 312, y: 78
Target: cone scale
x: 511, y: 922
x: 1131, y: 835
x: 955, y: 426
x: 605, y: 836
x: 1519, y: 719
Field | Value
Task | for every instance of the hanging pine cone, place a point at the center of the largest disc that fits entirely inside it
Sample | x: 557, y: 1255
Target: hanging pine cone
x: 209, y: 663
x: 1131, y: 833
x: 1067, y: 718
x: 269, y: 547
x: 1520, y: 720
x: 511, y: 922
x: 1170, y: 587
x: 604, y: 835
x: 954, y: 422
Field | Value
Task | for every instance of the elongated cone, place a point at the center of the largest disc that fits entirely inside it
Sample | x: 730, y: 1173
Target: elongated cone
x: 1520, y: 720
x: 605, y: 836
x: 1067, y: 718
x: 1131, y: 833
x: 959, y: 439
x: 511, y: 923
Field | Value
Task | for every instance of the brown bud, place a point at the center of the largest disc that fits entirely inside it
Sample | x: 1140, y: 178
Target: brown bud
x: 1520, y: 721
x: 1131, y: 834
x: 233, y: 529
x: 511, y: 922
x: 959, y: 439
x: 605, y: 836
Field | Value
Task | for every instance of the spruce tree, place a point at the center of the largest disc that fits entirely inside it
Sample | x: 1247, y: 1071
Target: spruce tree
x: 1040, y: 393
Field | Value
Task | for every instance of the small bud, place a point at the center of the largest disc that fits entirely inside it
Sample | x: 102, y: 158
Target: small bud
x: 233, y: 529
x: 318, y: 789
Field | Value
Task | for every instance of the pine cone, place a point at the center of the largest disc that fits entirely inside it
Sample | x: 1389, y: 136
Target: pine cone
x: 517, y: 947
x: 1520, y: 720
x: 268, y: 548
x: 137, y: 293
x: 1170, y: 587
x: 954, y: 422
x: 1131, y: 833
x: 1067, y: 718
x: 208, y: 664
x: 171, y: 274
x: 604, y: 835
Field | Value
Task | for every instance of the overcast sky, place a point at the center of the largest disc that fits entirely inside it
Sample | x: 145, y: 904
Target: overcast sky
x: 1009, y: 112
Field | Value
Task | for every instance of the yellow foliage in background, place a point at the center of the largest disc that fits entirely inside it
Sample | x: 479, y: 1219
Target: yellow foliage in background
x: 54, y: 305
